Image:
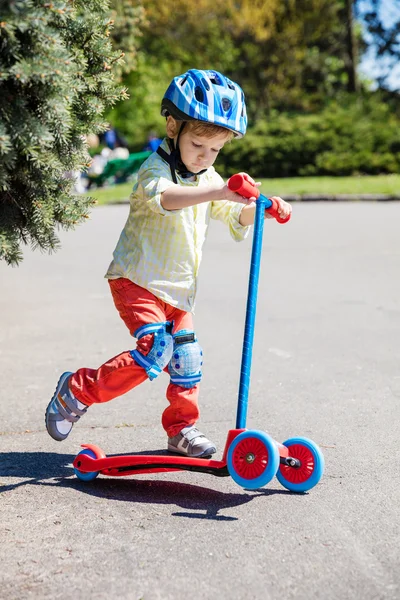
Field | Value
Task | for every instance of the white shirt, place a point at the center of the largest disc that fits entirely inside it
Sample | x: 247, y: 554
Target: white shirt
x: 161, y: 250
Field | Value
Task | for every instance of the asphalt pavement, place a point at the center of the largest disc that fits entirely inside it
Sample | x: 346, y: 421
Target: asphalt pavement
x: 325, y: 366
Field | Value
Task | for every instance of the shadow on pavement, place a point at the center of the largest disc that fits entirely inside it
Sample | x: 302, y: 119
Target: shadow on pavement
x: 34, y: 467
x: 49, y: 468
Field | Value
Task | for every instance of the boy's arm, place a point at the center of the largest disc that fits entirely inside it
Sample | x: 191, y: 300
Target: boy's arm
x: 176, y: 196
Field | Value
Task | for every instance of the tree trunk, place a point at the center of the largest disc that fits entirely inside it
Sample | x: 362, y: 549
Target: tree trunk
x: 351, y: 59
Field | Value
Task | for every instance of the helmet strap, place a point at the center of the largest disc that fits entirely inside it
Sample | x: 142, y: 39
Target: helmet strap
x: 174, y: 159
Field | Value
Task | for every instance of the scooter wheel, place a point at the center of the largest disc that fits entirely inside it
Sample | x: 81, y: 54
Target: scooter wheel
x: 86, y: 476
x: 305, y: 477
x: 252, y: 459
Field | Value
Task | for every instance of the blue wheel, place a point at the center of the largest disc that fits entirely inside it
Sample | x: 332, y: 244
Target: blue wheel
x: 86, y: 476
x: 308, y: 474
x: 253, y: 459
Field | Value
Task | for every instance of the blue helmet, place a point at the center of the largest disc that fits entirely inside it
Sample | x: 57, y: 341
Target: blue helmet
x: 206, y: 96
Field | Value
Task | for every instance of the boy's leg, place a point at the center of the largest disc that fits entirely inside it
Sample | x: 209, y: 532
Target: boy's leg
x: 180, y: 416
x: 183, y: 409
x: 76, y: 391
x: 137, y: 307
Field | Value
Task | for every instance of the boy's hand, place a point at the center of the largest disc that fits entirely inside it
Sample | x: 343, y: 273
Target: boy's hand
x: 234, y: 197
x: 284, y: 209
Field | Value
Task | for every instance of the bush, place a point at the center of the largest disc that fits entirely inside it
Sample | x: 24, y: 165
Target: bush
x: 356, y: 136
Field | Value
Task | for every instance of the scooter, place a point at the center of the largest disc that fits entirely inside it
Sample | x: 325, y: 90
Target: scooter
x: 251, y: 457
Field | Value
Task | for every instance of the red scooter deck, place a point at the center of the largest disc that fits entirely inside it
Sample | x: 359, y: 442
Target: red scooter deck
x: 135, y: 464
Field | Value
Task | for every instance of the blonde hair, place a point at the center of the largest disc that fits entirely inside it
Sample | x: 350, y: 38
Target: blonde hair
x: 202, y: 128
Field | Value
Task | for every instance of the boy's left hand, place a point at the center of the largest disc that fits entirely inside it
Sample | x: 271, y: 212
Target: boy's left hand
x: 284, y: 208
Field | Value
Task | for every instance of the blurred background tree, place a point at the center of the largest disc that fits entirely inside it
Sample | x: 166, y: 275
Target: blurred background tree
x: 291, y: 55
x: 297, y: 61
x: 284, y: 54
x: 127, y: 18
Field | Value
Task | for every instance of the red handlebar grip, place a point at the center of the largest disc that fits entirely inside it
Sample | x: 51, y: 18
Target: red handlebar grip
x: 237, y: 183
x: 273, y: 210
x: 240, y: 185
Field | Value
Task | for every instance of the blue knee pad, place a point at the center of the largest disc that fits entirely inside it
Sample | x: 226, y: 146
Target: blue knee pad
x: 160, y: 354
x: 187, y: 359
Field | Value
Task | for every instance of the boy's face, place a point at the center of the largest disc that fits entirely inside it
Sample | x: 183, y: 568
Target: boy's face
x: 199, y: 152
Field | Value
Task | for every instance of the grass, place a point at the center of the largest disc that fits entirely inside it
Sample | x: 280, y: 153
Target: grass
x: 366, y: 184
x: 378, y: 184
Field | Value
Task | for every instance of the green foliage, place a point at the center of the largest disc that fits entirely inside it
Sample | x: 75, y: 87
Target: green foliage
x: 128, y: 19
x: 139, y: 115
x: 357, y: 135
x: 56, y: 80
x: 286, y: 55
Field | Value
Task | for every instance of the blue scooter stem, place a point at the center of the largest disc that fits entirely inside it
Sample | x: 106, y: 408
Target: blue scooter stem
x: 261, y: 204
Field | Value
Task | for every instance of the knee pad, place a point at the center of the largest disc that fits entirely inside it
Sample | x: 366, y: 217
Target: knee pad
x: 161, y: 351
x: 187, y: 359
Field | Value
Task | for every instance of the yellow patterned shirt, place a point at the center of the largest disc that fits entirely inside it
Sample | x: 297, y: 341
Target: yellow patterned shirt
x: 161, y: 250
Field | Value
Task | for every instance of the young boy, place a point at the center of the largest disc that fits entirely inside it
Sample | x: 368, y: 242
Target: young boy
x: 153, y: 276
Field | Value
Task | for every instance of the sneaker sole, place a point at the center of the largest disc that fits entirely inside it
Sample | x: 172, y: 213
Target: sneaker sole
x: 50, y: 425
x: 206, y: 454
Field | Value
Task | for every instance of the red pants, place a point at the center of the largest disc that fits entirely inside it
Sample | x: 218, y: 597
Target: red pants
x: 120, y: 374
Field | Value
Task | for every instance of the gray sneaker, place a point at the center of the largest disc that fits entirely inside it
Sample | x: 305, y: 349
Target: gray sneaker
x: 63, y: 410
x: 191, y: 442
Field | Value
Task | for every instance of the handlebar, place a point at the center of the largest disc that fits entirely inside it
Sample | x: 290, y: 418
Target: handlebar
x: 239, y: 184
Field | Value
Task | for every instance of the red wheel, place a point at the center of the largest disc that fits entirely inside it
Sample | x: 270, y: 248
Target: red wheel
x: 253, y: 459
x: 302, y: 473
x: 94, y: 452
x: 308, y: 474
x: 250, y: 458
